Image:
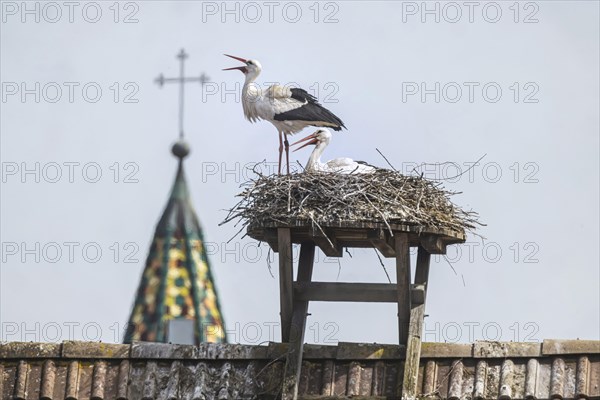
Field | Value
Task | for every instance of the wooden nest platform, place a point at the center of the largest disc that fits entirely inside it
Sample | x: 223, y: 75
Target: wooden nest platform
x: 360, y: 210
x: 384, y: 210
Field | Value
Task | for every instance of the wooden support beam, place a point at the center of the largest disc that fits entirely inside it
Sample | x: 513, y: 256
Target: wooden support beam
x: 422, y: 271
x: 327, y: 242
x: 417, y: 294
x: 286, y: 293
x: 271, y: 238
x: 380, y: 240
x: 413, y: 353
x: 434, y: 244
x: 341, y: 291
x: 403, y: 285
x: 293, y: 363
x: 415, y: 330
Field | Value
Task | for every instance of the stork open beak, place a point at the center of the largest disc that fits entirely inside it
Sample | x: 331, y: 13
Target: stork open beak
x: 243, y: 69
x: 312, y: 136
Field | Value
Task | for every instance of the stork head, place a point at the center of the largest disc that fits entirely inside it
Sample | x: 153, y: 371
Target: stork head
x: 320, y: 136
x: 251, y: 68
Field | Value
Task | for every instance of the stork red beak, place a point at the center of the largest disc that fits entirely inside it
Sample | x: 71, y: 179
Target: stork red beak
x: 312, y: 136
x: 243, y: 69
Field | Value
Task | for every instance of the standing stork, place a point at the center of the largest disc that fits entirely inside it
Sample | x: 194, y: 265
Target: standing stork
x: 289, y: 109
x: 343, y: 165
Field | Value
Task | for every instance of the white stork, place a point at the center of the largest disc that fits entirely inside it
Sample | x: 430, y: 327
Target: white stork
x: 321, y: 139
x: 289, y: 109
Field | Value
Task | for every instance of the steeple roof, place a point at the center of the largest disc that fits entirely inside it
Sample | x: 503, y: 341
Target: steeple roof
x: 177, y: 282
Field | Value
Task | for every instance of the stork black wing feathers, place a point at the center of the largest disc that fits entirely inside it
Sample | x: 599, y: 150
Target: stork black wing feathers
x: 303, y: 95
x: 312, y: 111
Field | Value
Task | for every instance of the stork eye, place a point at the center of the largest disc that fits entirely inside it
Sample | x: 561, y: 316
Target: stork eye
x: 250, y: 63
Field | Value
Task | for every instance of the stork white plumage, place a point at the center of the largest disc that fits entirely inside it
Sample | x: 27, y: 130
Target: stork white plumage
x: 289, y: 109
x: 344, y: 165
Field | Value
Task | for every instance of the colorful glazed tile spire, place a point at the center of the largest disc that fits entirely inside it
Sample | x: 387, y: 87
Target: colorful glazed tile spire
x: 177, y: 282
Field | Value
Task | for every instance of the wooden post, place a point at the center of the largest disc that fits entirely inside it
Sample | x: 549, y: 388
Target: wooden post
x: 286, y: 299
x: 422, y: 271
x: 403, y: 284
x: 417, y: 314
x: 293, y: 363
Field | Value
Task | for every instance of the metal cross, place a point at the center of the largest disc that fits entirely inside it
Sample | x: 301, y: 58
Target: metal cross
x: 161, y: 80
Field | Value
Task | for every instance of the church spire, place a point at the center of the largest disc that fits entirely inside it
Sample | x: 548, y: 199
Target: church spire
x: 177, y: 284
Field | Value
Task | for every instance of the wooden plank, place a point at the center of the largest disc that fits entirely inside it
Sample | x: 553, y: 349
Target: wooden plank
x: 417, y: 294
x: 415, y: 330
x: 403, y: 285
x: 294, y: 358
x: 343, y: 291
x: 558, y: 347
x: 305, y: 270
x: 379, y: 239
x: 369, y: 351
x: 299, y: 225
x: 270, y: 237
x: 422, y: 271
x: 356, y: 237
x: 286, y: 293
x: 434, y: 244
x: 327, y: 242
x: 413, y: 353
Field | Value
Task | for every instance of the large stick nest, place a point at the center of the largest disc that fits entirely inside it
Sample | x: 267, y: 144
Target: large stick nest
x: 385, y: 196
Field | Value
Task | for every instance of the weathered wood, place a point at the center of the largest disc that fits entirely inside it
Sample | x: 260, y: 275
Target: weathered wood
x: 369, y: 351
x: 270, y: 236
x: 552, y: 347
x: 417, y: 294
x: 306, y: 262
x: 327, y: 242
x: 299, y: 225
x: 403, y: 285
x: 342, y: 291
x: 422, y: 272
x: 294, y: 358
x: 434, y: 244
x: 356, y: 234
x: 413, y: 352
x: 286, y: 293
x: 415, y: 329
x: 380, y: 240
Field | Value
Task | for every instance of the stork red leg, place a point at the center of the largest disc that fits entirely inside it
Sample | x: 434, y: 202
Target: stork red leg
x: 280, y: 153
x: 287, y: 152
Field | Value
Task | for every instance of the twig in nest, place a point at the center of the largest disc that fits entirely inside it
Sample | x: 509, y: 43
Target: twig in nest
x: 450, y: 264
x: 269, y: 263
x: 328, y: 199
x: 383, y: 266
x: 386, y: 160
x: 339, y: 268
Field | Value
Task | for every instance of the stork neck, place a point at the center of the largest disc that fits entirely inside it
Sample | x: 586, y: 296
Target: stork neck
x: 250, y: 77
x: 314, y: 161
x: 250, y: 91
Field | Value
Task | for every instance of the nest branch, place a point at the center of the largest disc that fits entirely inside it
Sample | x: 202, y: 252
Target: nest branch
x: 385, y: 196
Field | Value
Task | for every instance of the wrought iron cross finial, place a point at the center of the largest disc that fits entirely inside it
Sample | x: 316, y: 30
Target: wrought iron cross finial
x: 161, y: 80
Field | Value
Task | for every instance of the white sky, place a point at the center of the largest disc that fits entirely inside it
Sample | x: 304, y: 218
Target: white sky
x: 537, y: 274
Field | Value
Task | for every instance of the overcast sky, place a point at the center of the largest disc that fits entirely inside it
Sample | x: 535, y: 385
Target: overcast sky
x: 517, y: 82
